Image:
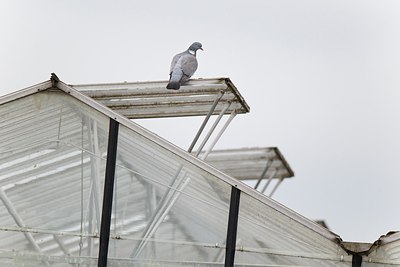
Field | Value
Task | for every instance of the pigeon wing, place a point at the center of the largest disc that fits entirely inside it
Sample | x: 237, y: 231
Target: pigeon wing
x: 175, y: 60
x: 189, y: 65
x: 183, y: 66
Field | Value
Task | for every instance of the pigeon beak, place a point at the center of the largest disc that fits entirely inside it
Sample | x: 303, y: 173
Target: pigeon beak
x: 201, y: 49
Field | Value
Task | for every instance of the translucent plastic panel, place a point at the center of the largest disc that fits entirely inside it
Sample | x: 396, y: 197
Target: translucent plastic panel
x: 165, y: 208
x: 268, y: 237
x: 52, y: 162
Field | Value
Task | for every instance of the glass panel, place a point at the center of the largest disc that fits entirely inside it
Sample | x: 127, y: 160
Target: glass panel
x: 267, y: 236
x: 52, y: 163
x: 165, y: 209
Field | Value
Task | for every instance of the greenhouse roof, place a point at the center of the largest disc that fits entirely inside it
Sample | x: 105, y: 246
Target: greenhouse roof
x: 197, y: 97
x: 60, y: 152
x: 138, y: 100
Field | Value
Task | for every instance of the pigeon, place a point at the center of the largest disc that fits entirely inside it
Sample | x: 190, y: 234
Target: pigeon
x: 183, y: 66
x: 54, y: 79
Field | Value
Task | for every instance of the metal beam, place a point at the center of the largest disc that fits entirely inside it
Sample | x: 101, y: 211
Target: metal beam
x: 108, y: 193
x: 271, y: 176
x: 267, y: 166
x: 210, y: 112
x: 232, y: 227
x: 217, y: 120
x: 276, y: 186
x: 205, y: 155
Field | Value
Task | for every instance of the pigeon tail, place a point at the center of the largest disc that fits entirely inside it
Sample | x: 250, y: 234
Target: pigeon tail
x: 173, y: 85
x: 175, y: 80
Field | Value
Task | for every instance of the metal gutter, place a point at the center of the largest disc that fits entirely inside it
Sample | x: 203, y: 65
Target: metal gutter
x: 284, y: 161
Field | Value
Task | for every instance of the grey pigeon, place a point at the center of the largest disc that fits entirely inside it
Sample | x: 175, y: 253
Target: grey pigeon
x: 183, y: 66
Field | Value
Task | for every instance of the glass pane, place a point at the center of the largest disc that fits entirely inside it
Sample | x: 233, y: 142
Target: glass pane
x: 269, y: 237
x: 52, y: 163
x: 165, y: 209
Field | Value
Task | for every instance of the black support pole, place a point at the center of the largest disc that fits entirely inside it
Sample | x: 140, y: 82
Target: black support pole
x: 232, y: 227
x: 108, y: 193
x: 357, y: 260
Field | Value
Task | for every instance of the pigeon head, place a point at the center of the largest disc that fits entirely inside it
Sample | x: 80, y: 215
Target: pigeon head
x: 195, y: 46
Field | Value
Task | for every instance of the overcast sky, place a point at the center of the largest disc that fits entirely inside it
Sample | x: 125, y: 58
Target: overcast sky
x: 321, y: 78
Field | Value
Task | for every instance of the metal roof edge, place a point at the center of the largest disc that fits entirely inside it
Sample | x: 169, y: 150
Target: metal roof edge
x: 284, y: 161
x: 179, y: 152
x: 25, y: 92
x: 390, y: 237
x: 361, y: 248
x: 237, y: 94
x: 160, y: 82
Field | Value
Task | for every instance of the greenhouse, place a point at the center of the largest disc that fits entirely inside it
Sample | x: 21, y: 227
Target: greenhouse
x: 83, y: 185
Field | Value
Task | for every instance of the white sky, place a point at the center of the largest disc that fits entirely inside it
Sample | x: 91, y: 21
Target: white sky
x: 321, y: 78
